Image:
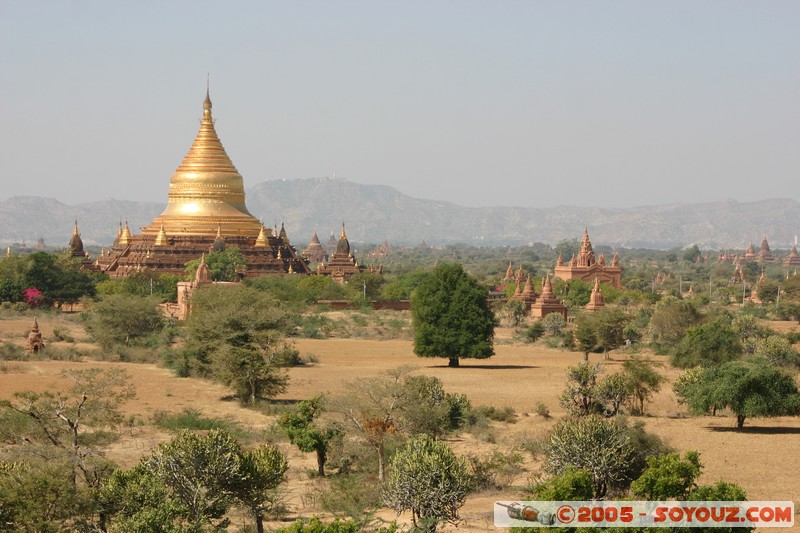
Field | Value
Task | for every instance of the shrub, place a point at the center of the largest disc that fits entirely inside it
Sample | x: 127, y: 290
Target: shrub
x: 505, y: 414
x: 542, y: 410
x: 429, y: 480
x: 554, y: 323
x: 192, y: 419
x: 62, y: 335
x: 534, y: 332
x: 497, y: 471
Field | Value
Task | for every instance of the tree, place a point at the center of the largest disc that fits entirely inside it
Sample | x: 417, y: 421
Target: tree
x: 692, y: 253
x: 236, y: 335
x: 365, y: 282
x: 379, y: 408
x: 580, y: 395
x: 643, y: 381
x: 224, y: 265
x: 572, y: 484
x: 372, y: 409
x: 451, y: 316
x: 567, y: 248
x: 120, y: 318
x: 789, y: 310
x: 253, y: 373
x: 613, y: 392
x: 575, y: 292
x: 671, y: 319
x: 401, y: 287
x: 714, y: 342
x: 591, y: 443
x: 12, y: 277
x: 668, y: 477
x: 59, y: 278
x: 305, y: 434
x: 585, y: 335
x: 427, y: 409
x: 749, y: 331
x: 201, y: 472
x: 750, y: 388
x: 768, y: 290
x: 429, y: 480
x: 514, y: 310
x: 263, y: 469
x: 190, y: 482
x: 777, y: 350
x: 321, y: 288
x: 139, y: 500
x: 554, y: 323
x: 609, y: 326
x: 75, y: 424
x: 38, y: 495
x: 144, y: 283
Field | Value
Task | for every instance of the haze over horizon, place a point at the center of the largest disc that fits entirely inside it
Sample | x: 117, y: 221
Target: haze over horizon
x: 505, y: 103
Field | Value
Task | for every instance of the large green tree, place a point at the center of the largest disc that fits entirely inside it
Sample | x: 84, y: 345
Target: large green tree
x: 711, y: 343
x: 750, y: 388
x: 121, y: 318
x: 59, y: 277
x: 451, y: 316
x: 236, y: 335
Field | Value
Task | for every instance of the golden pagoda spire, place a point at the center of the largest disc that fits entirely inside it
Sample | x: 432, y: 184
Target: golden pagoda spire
x: 261, y: 240
x: 8, y: 251
x: 125, y: 238
x: 161, y: 238
x: 206, y: 189
x: 342, y: 235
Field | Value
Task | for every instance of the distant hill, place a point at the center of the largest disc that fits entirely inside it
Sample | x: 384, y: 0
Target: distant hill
x: 373, y: 213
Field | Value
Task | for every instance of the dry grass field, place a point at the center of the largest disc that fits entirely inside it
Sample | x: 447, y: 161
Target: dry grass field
x: 764, y: 458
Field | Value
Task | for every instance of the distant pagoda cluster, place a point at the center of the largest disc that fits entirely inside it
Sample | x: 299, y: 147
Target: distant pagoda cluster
x: 537, y: 305
x: 583, y: 267
x: 764, y: 256
x: 206, y: 213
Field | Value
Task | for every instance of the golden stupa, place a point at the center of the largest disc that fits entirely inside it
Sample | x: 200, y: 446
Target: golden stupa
x: 206, y: 192
x: 205, y: 212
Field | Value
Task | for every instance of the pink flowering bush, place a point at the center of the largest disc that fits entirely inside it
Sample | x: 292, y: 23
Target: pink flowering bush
x: 32, y: 296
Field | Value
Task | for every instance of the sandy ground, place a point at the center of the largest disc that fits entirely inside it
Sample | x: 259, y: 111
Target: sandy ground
x: 764, y: 458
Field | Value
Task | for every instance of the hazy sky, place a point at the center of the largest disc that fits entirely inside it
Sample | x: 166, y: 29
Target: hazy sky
x: 527, y: 103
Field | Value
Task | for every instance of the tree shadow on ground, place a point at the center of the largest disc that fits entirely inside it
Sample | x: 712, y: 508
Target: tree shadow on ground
x: 757, y: 430
x: 485, y: 367
x: 259, y: 402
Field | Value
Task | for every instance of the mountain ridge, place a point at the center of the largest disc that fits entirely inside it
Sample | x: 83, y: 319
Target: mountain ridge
x: 374, y: 213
